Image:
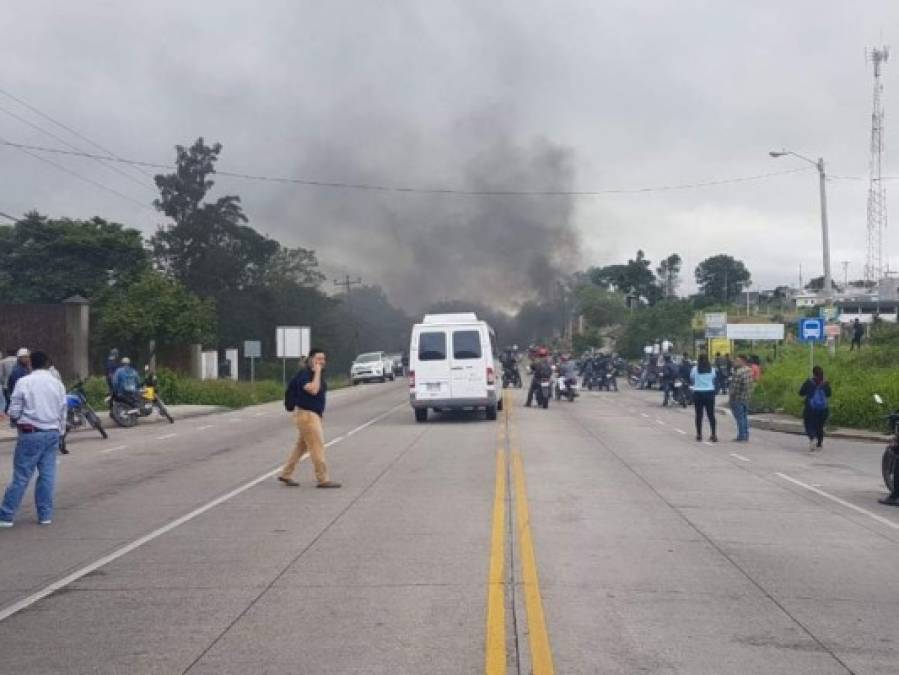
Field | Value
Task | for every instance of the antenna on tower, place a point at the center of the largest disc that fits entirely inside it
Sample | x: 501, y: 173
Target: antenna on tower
x: 877, y: 196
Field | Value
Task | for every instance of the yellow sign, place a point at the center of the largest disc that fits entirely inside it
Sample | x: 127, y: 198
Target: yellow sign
x: 721, y: 346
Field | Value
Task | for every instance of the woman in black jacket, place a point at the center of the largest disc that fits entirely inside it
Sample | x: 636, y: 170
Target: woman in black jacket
x: 817, y: 392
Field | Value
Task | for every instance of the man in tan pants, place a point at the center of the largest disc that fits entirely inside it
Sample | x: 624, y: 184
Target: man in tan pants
x: 305, y: 397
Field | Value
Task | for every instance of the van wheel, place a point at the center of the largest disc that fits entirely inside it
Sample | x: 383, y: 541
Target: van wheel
x: 421, y: 414
x: 491, y: 412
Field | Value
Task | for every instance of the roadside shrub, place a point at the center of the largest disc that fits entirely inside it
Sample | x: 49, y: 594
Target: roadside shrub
x: 176, y: 389
x: 854, y: 376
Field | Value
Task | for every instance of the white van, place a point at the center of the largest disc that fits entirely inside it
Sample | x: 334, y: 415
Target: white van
x: 453, y: 365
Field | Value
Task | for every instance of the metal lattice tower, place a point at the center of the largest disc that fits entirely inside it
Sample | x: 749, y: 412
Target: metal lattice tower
x: 877, y: 198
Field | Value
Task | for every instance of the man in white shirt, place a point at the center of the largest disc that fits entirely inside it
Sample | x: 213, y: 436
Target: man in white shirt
x: 38, y: 408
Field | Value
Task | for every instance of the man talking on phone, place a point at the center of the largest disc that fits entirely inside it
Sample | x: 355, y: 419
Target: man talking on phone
x: 305, y: 397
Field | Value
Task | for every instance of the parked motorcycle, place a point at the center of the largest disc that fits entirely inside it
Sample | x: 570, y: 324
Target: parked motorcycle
x: 126, y: 410
x: 891, y: 452
x: 79, y: 414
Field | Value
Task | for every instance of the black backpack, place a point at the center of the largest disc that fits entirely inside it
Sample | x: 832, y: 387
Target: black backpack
x: 290, y: 400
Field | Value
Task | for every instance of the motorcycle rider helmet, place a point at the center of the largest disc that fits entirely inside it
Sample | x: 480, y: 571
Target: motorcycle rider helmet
x: 542, y: 352
x: 126, y: 361
x: 23, y: 352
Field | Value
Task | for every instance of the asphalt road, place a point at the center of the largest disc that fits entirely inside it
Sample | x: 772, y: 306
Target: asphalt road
x: 593, y: 537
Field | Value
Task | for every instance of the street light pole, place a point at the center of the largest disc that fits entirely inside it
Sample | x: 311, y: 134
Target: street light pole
x: 825, y: 235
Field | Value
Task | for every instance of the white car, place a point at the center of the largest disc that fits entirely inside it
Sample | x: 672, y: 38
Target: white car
x: 371, y: 366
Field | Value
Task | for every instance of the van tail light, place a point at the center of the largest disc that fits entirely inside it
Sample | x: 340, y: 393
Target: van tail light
x: 411, y: 379
x: 491, y: 376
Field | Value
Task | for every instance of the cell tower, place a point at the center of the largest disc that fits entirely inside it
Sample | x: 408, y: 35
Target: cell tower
x: 877, y: 197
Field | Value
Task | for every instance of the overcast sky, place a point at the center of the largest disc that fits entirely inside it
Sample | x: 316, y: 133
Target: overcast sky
x: 588, y: 95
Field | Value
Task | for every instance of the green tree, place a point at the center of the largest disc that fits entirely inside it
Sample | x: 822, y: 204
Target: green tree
x: 46, y: 260
x: 668, y: 273
x: 208, y: 248
x: 634, y: 278
x: 666, y: 320
x: 600, y: 307
x: 153, y: 307
x: 722, y: 278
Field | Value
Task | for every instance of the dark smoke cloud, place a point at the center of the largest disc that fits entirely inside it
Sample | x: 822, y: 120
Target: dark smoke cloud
x: 497, y: 250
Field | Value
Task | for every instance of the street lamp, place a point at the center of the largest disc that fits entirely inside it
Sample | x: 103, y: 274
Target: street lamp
x: 825, y: 237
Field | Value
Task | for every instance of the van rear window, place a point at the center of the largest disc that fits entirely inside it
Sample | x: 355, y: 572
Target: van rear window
x: 466, y: 344
x: 432, y: 346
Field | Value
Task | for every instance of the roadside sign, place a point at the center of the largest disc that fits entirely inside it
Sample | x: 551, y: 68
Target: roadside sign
x: 832, y: 330
x: 828, y: 313
x: 252, y: 349
x: 292, y: 342
x: 721, y: 346
x: 755, y: 331
x: 811, y: 330
x: 715, y: 324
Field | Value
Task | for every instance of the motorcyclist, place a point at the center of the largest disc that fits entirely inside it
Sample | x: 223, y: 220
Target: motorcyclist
x: 126, y: 381
x: 669, y: 373
x: 541, y: 369
x: 509, y: 362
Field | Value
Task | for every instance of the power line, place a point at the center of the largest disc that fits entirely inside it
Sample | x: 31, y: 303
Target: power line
x: 12, y: 218
x: 76, y: 148
x: 72, y: 131
x: 438, y: 191
x: 77, y: 175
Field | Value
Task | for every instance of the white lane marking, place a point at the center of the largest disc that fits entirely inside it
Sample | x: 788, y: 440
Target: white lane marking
x: 658, y: 421
x: 644, y: 415
x: 165, y: 436
x: 16, y: 607
x: 260, y: 414
x: 841, y: 502
x: 118, y: 447
x: 204, y: 427
x: 708, y: 443
x: 740, y: 457
x: 680, y: 431
x: 236, y: 419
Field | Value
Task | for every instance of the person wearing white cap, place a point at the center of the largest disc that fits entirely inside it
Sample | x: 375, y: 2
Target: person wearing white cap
x: 20, y: 369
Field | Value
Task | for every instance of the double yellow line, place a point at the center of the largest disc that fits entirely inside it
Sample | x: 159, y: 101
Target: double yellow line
x: 496, y: 661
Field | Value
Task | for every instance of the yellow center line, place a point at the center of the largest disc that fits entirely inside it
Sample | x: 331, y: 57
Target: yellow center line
x: 538, y: 637
x: 495, y: 658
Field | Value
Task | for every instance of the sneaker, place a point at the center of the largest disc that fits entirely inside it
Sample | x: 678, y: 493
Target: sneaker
x: 889, y: 501
x: 44, y: 522
x: 698, y: 437
x: 713, y: 438
x: 5, y: 523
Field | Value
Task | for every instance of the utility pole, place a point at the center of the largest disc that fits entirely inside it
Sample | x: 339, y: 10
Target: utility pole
x: 347, y: 283
x: 845, y: 264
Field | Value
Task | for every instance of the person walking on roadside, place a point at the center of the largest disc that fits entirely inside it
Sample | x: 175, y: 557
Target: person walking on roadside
x: 38, y: 408
x: 816, y: 391
x: 740, y: 393
x: 704, y: 379
x: 305, y: 397
x: 858, y: 332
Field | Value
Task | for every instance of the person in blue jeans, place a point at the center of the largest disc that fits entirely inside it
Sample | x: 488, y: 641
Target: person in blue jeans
x: 740, y: 394
x: 705, y: 381
x: 38, y: 408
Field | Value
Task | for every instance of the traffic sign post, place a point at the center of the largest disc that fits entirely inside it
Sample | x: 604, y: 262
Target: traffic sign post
x: 252, y: 349
x: 811, y: 331
x: 291, y: 342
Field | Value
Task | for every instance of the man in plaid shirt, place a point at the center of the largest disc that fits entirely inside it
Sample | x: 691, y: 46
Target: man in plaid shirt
x: 740, y: 393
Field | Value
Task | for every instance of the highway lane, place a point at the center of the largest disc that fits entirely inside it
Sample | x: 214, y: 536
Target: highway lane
x: 590, y: 537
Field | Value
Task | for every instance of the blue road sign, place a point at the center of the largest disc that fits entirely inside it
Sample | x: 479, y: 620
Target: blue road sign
x: 811, y: 330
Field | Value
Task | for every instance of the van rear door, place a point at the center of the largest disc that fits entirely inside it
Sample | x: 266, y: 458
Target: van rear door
x: 469, y: 372
x: 431, y: 364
